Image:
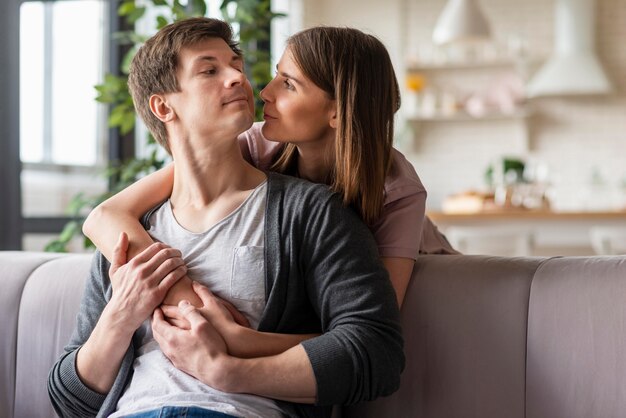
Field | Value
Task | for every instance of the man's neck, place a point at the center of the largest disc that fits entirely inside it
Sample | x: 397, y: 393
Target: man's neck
x: 203, y: 175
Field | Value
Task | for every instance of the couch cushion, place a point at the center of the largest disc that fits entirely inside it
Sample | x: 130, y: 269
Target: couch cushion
x: 464, y: 321
x: 50, y: 301
x: 15, y: 267
x: 577, y: 339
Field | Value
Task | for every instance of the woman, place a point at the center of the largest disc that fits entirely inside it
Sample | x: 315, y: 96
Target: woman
x: 329, y: 115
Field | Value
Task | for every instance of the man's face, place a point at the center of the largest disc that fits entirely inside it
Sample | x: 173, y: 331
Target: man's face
x: 215, y: 98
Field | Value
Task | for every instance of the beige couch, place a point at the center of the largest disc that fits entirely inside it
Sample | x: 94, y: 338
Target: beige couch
x: 485, y: 336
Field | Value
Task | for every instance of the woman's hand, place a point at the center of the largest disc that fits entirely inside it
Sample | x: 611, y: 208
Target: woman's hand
x: 241, y: 340
x: 222, y: 314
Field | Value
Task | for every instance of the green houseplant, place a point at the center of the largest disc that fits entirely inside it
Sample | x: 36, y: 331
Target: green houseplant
x: 253, y: 19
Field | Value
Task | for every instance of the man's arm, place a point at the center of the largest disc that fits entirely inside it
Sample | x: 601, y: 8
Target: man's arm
x: 241, y: 341
x: 201, y: 352
x: 359, y: 357
x: 79, y: 380
x: 138, y: 287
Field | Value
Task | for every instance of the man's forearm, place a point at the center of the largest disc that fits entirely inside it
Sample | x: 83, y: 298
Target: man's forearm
x: 98, y: 360
x: 287, y: 376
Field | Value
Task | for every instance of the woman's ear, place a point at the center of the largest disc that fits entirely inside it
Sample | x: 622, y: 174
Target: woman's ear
x: 161, y: 108
x: 333, y: 115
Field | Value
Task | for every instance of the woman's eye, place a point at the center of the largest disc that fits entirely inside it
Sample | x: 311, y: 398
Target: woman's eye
x: 287, y: 84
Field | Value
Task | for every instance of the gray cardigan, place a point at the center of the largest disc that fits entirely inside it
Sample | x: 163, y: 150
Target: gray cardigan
x: 323, y: 275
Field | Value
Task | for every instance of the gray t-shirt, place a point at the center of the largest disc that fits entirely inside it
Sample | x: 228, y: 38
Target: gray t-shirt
x: 228, y: 258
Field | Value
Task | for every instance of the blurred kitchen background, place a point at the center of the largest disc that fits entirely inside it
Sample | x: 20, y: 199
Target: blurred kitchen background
x: 514, y: 113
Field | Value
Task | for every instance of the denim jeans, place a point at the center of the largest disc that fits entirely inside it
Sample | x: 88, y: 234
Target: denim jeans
x: 180, y: 412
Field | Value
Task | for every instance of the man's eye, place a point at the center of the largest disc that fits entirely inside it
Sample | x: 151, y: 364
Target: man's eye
x: 210, y: 71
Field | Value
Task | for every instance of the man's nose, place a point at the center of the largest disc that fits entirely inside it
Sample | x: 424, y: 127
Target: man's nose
x: 235, y: 78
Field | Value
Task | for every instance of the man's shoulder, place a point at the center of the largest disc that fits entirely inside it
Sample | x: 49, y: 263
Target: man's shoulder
x: 302, y: 199
x: 299, y: 188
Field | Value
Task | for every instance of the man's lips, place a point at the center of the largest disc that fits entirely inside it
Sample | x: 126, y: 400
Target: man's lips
x: 236, y: 99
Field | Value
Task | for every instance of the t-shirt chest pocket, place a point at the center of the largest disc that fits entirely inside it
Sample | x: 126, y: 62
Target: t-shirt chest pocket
x: 247, y: 279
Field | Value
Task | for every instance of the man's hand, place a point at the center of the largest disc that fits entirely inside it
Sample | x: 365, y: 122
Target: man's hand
x: 242, y: 341
x: 140, y: 285
x: 199, y: 351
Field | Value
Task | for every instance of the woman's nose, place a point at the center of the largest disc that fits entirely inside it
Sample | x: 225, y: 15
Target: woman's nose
x: 265, y: 94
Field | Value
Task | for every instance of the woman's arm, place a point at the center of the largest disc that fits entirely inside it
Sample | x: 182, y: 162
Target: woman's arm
x: 241, y: 341
x: 400, y: 270
x: 121, y: 213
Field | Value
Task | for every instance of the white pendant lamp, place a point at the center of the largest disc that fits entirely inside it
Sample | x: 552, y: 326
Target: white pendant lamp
x: 461, y: 21
x: 574, y: 67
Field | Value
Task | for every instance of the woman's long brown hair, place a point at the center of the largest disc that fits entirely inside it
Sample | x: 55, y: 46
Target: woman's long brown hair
x: 355, y: 70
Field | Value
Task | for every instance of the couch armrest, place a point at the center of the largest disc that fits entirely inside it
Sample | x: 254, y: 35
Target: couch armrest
x: 15, y: 269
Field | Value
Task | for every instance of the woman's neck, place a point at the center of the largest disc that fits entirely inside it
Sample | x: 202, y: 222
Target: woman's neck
x: 315, y: 162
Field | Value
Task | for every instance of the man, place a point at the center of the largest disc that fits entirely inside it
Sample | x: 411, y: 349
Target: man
x: 283, y: 251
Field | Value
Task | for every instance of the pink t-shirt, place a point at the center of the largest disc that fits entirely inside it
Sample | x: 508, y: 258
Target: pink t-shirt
x: 403, y: 230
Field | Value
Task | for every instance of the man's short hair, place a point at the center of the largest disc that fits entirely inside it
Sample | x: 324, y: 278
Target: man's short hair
x: 153, y: 69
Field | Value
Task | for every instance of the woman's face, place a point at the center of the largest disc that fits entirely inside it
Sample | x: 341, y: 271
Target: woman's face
x: 295, y: 109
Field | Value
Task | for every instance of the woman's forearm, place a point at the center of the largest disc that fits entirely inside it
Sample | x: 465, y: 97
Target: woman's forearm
x: 400, y: 271
x: 122, y: 213
x: 249, y: 343
x: 104, y: 225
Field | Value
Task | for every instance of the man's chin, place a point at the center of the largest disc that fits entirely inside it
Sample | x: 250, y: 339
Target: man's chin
x: 243, y: 123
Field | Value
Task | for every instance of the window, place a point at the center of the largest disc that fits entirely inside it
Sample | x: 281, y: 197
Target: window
x: 61, y: 59
x: 63, y: 130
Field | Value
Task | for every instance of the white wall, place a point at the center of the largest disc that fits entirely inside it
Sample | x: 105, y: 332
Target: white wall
x: 573, y: 136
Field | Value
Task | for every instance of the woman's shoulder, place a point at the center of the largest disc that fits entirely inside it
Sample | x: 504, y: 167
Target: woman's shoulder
x: 402, y: 180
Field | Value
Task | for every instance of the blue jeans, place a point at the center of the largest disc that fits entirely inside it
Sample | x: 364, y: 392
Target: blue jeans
x: 180, y: 412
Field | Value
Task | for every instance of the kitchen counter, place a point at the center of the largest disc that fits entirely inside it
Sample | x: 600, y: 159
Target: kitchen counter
x: 438, y: 217
x: 553, y: 232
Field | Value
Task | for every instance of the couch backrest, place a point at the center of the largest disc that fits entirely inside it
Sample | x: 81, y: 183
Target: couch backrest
x: 464, y: 321
x: 486, y: 337
x: 472, y: 352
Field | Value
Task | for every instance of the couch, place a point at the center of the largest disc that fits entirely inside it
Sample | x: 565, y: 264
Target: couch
x: 485, y: 337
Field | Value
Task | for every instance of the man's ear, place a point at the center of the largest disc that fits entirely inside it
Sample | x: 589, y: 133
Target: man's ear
x: 161, y: 108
